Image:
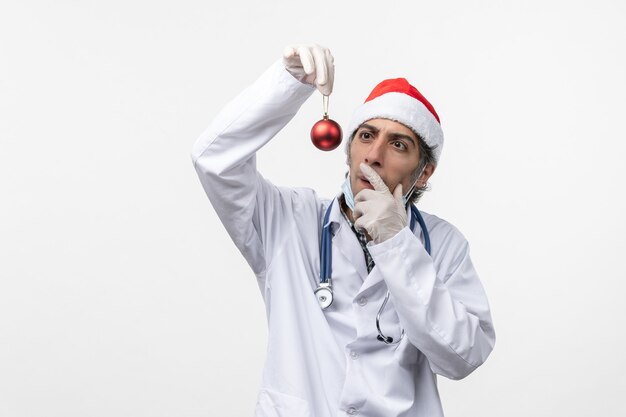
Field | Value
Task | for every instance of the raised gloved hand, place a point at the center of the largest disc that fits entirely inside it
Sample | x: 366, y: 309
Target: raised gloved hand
x: 311, y: 64
x: 377, y: 211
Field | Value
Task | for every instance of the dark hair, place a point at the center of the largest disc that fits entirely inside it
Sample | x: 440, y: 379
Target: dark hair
x: 427, y: 156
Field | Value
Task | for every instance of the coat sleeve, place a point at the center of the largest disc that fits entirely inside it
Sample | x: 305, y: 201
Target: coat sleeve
x: 440, y: 302
x: 252, y: 209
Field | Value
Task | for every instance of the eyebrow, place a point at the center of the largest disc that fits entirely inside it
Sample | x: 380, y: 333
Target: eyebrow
x: 393, y: 135
x: 403, y: 136
x: 369, y: 127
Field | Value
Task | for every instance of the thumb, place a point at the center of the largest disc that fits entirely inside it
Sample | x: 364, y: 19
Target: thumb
x: 289, y: 52
x: 397, y: 192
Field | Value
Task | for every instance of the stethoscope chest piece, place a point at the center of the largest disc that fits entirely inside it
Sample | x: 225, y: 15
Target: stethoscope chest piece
x: 324, y: 295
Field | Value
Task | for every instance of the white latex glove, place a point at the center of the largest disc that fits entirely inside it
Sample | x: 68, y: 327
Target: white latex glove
x: 377, y: 211
x: 311, y: 64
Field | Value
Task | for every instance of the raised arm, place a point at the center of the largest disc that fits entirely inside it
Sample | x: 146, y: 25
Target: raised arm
x: 250, y: 207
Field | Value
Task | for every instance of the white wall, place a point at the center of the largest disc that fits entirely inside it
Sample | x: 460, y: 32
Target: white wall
x: 121, y: 294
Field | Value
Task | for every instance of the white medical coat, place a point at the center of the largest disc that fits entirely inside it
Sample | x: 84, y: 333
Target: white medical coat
x: 329, y: 363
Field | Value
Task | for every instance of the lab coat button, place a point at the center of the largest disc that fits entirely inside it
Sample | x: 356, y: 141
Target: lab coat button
x: 362, y: 301
x: 352, y: 411
x: 354, y: 355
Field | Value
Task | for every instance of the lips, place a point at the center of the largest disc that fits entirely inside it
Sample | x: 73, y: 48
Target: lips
x: 365, y: 183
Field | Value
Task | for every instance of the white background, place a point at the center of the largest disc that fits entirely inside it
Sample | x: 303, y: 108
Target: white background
x: 122, y: 295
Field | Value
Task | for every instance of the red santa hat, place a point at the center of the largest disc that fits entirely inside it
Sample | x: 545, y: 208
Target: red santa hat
x: 397, y: 100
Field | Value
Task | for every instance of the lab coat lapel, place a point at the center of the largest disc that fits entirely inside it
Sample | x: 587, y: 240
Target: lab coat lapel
x: 372, y: 279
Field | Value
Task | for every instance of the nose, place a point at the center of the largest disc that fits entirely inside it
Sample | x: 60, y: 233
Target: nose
x: 375, y: 153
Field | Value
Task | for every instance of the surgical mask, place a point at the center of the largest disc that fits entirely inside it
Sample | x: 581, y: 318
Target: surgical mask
x: 349, y: 197
x: 347, y: 193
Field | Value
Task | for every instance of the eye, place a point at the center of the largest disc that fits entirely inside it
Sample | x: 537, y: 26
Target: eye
x: 398, y: 144
x: 365, y: 135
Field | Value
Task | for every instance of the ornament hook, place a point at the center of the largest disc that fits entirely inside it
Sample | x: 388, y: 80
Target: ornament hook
x: 325, y: 104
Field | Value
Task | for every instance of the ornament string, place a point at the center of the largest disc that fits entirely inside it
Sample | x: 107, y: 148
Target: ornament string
x: 325, y: 104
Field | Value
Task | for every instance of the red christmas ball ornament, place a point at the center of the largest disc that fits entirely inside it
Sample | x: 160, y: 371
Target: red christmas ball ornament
x: 326, y: 134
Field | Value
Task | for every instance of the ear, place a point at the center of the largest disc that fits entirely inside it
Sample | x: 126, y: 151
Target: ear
x: 429, y: 170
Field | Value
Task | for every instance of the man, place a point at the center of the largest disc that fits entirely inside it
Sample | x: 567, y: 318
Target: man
x: 372, y: 340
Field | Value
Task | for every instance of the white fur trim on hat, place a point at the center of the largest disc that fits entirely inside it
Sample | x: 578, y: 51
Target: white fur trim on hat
x: 404, y: 109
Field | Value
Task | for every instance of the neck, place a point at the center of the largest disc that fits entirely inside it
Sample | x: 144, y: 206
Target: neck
x: 347, y: 210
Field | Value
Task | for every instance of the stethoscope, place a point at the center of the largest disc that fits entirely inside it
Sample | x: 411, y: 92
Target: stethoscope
x: 324, y: 292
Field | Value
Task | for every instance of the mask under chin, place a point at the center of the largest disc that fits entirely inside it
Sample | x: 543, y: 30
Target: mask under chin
x: 347, y: 192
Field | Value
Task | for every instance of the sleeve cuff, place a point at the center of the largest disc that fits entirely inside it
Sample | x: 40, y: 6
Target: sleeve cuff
x: 402, y: 238
x: 289, y: 81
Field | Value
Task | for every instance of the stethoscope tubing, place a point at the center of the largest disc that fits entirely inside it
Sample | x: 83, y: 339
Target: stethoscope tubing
x: 325, y: 288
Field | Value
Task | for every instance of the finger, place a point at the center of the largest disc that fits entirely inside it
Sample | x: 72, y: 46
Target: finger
x: 360, y: 209
x: 357, y: 212
x: 289, y: 52
x: 361, y: 224
x: 307, y: 60
x: 373, y: 177
x: 321, y: 71
x: 397, y: 193
x: 358, y: 224
x: 364, y: 195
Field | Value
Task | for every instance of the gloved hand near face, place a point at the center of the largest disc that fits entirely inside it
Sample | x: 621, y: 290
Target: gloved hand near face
x: 311, y: 64
x: 377, y: 211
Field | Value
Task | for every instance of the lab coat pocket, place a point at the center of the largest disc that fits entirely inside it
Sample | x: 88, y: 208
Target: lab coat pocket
x: 275, y: 404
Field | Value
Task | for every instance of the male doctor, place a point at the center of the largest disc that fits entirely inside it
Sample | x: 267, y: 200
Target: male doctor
x: 392, y: 317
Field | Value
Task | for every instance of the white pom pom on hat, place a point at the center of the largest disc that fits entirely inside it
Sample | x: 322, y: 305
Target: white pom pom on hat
x: 395, y: 99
